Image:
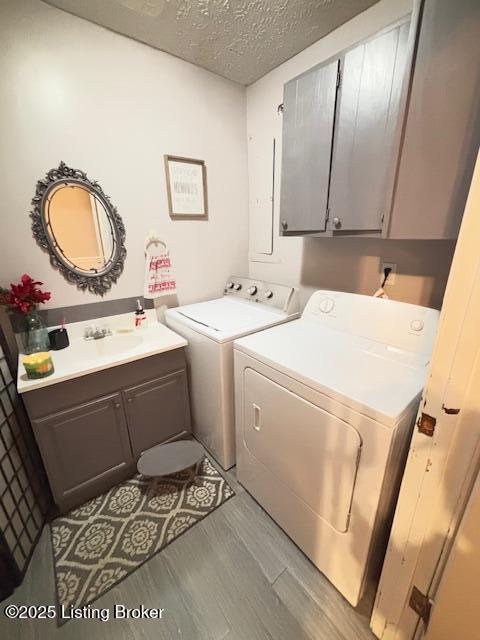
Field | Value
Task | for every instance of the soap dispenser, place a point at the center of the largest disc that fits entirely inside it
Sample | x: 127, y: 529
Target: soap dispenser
x: 140, y: 316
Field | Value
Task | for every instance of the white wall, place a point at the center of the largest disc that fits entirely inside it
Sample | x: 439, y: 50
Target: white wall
x: 73, y: 91
x: 350, y: 264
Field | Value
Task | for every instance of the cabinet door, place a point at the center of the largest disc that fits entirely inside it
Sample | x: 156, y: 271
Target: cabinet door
x: 85, y: 449
x: 308, y: 117
x: 442, y: 127
x: 371, y: 80
x: 157, y: 411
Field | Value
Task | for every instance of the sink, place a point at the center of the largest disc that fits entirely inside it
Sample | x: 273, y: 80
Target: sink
x: 125, y: 345
x: 105, y: 347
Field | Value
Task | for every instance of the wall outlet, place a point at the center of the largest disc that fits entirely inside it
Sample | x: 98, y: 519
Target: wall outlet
x: 391, y: 277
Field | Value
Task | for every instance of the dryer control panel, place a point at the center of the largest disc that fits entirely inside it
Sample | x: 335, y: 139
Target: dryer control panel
x: 276, y: 296
x: 389, y: 322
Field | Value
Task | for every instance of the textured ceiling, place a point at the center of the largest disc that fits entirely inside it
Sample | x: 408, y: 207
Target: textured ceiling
x: 239, y: 39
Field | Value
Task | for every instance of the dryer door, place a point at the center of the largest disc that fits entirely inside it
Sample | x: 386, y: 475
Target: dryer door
x: 311, y: 451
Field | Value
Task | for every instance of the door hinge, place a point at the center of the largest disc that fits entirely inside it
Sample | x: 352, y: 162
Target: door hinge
x: 327, y: 218
x: 339, y: 77
x: 280, y: 108
x: 426, y: 424
x: 421, y: 604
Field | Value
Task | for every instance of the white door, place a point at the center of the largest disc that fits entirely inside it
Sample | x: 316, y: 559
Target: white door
x: 444, y: 453
x: 456, y: 613
x: 311, y: 452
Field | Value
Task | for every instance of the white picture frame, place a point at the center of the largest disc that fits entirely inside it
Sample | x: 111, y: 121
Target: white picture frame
x: 186, y: 188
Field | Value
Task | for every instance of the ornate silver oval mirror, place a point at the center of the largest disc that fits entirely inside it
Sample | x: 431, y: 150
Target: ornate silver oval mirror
x: 74, y: 220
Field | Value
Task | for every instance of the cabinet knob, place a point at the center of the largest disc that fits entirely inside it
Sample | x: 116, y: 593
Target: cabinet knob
x: 336, y: 222
x: 284, y: 225
x: 117, y: 405
x: 129, y: 399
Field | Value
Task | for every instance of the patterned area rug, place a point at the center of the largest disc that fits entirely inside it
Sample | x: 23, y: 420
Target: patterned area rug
x: 98, y: 544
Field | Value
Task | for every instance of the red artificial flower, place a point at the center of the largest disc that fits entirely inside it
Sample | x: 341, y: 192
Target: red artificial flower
x: 24, y: 296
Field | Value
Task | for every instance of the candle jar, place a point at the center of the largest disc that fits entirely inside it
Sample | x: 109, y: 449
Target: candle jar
x: 38, y: 365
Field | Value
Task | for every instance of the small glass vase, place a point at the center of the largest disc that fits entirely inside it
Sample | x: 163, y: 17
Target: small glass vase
x: 34, y: 335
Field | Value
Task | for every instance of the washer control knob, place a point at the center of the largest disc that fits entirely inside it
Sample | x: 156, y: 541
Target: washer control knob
x: 237, y: 286
x: 252, y: 290
x: 268, y: 294
x: 229, y: 285
x: 417, y: 325
x: 326, y: 305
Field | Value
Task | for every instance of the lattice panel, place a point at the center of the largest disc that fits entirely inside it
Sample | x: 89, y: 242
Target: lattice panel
x: 23, y: 496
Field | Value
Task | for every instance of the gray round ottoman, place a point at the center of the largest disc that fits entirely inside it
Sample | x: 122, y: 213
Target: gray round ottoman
x: 165, y: 459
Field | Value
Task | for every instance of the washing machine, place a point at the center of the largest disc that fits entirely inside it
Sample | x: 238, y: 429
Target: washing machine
x: 325, y: 407
x: 248, y: 305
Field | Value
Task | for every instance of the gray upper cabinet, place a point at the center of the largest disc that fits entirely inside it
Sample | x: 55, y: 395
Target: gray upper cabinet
x: 405, y: 134
x: 371, y: 81
x: 442, y: 124
x: 308, y: 117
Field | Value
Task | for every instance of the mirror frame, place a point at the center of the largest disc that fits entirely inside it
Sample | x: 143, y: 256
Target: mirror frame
x: 102, y: 281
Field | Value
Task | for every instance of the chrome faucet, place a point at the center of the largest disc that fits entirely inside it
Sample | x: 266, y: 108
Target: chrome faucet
x: 96, y: 333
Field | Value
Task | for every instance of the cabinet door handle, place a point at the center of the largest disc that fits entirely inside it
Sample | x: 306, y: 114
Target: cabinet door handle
x: 284, y: 225
x: 337, y: 223
x: 256, y: 417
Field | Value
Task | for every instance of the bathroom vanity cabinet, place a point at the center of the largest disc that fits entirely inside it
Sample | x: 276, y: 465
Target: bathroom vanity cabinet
x: 91, y: 430
x: 386, y: 146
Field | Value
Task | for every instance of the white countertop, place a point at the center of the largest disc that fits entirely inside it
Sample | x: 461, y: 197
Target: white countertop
x: 82, y: 357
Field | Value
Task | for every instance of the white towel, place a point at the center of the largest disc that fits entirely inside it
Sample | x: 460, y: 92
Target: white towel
x: 159, y: 279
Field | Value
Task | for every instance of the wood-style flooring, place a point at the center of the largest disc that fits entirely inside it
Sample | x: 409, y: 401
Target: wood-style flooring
x: 233, y: 576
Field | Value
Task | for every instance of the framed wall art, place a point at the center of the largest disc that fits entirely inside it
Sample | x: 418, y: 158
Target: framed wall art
x: 186, y: 188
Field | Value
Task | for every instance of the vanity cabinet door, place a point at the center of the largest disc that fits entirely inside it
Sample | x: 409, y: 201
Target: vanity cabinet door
x: 157, y: 411
x: 86, y: 449
x: 371, y: 81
